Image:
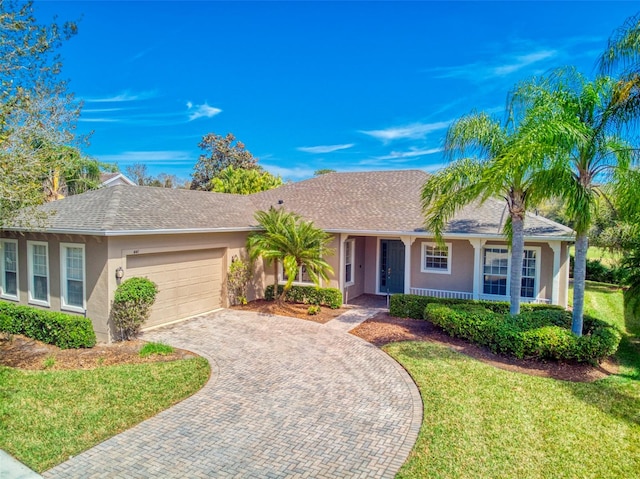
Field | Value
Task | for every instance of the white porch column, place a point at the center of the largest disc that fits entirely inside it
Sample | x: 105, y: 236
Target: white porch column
x: 407, y: 240
x: 342, y: 237
x: 555, y: 288
x: 477, y: 265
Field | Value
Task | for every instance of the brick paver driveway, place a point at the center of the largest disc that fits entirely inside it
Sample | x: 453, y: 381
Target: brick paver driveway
x: 286, y: 398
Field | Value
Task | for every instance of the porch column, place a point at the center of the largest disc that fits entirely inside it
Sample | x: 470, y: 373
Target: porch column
x: 407, y: 240
x: 342, y: 237
x: 555, y: 288
x: 477, y: 265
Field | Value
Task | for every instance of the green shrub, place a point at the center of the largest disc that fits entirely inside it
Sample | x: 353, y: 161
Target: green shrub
x: 330, y: 297
x: 412, y: 305
x: 313, y: 310
x: 60, y: 329
x: 155, y: 348
x: 540, y: 333
x: 131, y: 306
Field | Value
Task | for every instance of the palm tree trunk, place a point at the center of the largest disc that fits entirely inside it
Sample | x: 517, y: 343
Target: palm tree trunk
x: 517, y: 254
x: 579, y: 276
x: 275, y: 279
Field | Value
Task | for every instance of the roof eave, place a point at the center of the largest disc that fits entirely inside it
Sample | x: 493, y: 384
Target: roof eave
x: 89, y: 232
x: 426, y: 234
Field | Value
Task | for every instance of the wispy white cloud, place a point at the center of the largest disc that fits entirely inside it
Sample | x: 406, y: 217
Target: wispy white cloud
x: 412, y: 153
x: 325, y: 148
x: 293, y: 173
x: 141, y: 54
x: 102, y: 110
x: 98, y: 120
x: 523, y: 61
x: 201, y: 111
x: 148, y: 157
x: 414, y: 131
x: 123, y: 96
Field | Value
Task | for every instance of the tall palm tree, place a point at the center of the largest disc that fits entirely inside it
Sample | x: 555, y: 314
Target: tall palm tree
x: 579, y: 137
x: 294, y: 242
x: 499, y: 166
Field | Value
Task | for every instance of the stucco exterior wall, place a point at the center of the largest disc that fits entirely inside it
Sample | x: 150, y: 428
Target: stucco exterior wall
x: 459, y: 279
x: 358, y: 269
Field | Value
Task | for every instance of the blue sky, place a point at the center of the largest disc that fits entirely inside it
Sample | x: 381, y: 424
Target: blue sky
x: 309, y: 85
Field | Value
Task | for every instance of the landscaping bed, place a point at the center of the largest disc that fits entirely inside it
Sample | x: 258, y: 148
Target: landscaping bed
x: 383, y: 329
x: 293, y: 310
x: 18, y: 351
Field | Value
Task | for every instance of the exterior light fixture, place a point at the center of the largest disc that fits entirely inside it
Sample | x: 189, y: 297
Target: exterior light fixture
x: 119, y: 272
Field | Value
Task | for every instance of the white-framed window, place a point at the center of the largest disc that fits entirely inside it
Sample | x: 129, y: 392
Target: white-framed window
x: 349, y: 249
x: 72, y: 277
x: 38, y: 267
x: 496, y: 270
x: 436, y: 259
x: 9, y: 269
x: 301, y: 278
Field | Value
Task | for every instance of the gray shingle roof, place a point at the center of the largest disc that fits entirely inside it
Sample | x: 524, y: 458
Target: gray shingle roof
x: 378, y: 201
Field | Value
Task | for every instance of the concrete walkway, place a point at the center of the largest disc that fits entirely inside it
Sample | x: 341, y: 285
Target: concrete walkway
x: 286, y: 398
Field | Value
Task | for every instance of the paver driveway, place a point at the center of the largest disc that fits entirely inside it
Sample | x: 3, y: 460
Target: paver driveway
x: 287, y: 398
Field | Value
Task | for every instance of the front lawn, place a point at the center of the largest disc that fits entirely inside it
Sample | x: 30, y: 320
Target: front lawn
x: 483, y: 422
x: 47, y: 416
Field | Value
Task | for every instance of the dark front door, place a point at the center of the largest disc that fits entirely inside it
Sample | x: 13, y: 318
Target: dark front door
x: 391, y: 266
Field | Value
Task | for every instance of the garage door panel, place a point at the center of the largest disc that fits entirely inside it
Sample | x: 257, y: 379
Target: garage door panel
x: 189, y: 282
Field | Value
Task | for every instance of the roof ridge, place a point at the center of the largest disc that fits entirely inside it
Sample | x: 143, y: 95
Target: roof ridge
x: 113, y: 205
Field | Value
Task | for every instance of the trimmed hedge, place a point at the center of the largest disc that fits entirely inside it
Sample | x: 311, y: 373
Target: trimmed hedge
x: 131, y: 306
x: 536, y: 334
x: 66, y: 331
x: 330, y: 297
x: 412, y: 305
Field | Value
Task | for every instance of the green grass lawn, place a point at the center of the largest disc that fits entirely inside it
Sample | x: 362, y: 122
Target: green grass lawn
x: 483, y: 422
x: 47, y: 416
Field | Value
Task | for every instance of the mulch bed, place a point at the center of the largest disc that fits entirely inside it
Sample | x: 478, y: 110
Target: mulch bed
x: 18, y: 351
x: 292, y: 310
x: 384, y: 329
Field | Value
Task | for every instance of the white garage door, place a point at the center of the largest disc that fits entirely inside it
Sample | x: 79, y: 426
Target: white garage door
x: 189, y: 282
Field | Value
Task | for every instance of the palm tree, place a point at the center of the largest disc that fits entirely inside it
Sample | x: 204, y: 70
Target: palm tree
x: 500, y: 166
x: 583, y: 149
x: 294, y: 242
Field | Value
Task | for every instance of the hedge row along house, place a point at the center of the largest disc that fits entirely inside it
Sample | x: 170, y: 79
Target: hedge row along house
x: 185, y: 240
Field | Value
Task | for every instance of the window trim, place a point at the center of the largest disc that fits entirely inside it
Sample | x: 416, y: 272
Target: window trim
x: 32, y: 300
x: 423, y: 256
x: 349, y: 261
x: 536, y: 283
x: 3, y: 294
x: 63, y: 278
x: 281, y: 279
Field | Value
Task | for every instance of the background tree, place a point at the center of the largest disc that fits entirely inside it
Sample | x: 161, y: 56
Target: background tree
x: 244, y: 182
x: 139, y: 174
x: 323, y: 171
x: 221, y: 152
x: 36, y: 111
x: 290, y: 240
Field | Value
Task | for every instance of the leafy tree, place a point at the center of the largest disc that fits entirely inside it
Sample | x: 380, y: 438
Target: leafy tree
x: 36, y: 110
x: 498, y: 166
x: 139, y: 174
x: 323, y: 171
x: 292, y: 241
x: 221, y: 152
x: 244, y: 182
x: 580, y: 138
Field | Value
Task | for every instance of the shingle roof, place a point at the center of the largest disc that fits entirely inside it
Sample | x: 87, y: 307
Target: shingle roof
x: 387, y: 201
x: 139, y: 208
x: 378, y: 201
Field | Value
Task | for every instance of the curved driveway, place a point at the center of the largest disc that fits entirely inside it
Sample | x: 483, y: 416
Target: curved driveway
x: 286, y: 398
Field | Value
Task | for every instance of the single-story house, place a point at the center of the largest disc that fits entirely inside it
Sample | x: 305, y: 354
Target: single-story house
x: 185, y: 241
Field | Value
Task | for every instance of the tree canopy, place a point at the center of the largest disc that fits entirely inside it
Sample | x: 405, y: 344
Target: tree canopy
x: 37, y: 114
x: 244, y: 182
x: 221, y: 152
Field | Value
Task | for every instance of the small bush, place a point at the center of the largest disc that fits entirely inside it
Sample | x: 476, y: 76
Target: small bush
x: 313, y: 310
x: 330, y: 297
x: 60, y: 329
x: 132, y: 305
x: 240, y: 272
x: 538, y: 333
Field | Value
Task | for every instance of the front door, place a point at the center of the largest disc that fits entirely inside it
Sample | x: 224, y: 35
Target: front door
x: 391, y: 266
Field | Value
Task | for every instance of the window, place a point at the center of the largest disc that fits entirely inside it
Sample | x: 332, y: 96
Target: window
x: 72, y: 276
x: 301, y: 277
x: 348, y: 262
x: 38, y: 264
x: 9, y: 269
x: 496, y: 270
x: 436, y: 259
x: 528, y: 285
